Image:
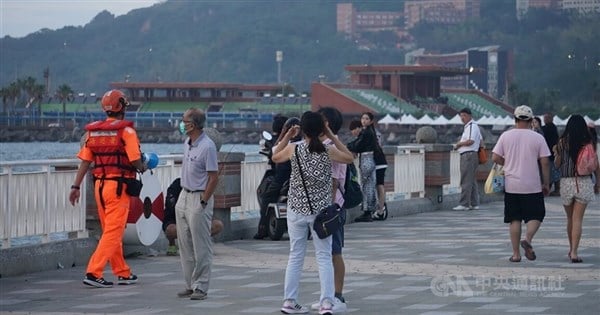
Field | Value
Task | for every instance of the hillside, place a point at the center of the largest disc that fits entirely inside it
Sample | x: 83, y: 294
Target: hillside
x: 236, y: 41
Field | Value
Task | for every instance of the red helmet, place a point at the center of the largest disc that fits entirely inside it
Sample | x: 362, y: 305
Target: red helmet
x: 114, y: 101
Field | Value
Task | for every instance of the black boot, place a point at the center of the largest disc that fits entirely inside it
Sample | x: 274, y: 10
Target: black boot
x: 262, y: 233
x: 365, y: 217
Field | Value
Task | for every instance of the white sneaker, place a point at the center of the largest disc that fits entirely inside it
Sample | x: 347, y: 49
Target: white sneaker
x: 326, y: 308
x: 291, y: 307
x: 315, y: 306
x: 460, y: 208
x: 338, y: 306
x: 474, y: 208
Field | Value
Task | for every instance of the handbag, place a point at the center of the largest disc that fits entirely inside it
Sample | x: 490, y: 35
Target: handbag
x: 495, y: 180
x: 134, y: 186
x: 329, y: 219
x: 483, y: 158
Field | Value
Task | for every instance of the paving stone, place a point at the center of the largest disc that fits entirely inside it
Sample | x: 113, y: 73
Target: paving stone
x: 442, y: 262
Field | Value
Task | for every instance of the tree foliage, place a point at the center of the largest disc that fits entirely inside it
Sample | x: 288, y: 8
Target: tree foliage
x: 236, y: 41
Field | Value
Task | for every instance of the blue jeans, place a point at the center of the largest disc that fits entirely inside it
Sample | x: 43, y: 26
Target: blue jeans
x: 298, y: 232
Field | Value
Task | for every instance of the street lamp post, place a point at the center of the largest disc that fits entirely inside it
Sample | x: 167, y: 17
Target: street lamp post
x: 279, y: 59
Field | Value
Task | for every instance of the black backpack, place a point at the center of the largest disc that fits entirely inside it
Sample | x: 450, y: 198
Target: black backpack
x: 352, y: 191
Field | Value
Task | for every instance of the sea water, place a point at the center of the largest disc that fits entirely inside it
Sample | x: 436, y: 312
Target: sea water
x: 23, y: 151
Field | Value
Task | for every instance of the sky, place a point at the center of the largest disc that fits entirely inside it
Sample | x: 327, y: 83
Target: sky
x: 19, y: 18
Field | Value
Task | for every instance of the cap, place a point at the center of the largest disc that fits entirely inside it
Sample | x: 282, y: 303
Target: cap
x: 523, y: 112
x: 465, y: 110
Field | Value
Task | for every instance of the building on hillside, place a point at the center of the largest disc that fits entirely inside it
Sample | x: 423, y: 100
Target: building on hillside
x: 493, y: 68
x: 581, y: 6
x: 402, y: 89
x: 439, y: 11
x: 352, y: 22
x: 195, y: 91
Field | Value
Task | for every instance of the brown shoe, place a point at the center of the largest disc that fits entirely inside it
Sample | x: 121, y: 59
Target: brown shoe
x: 185, y: 293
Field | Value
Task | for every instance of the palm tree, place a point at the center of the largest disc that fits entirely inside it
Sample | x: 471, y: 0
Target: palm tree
x: 64, y: 93
x: 4, y: 95
x: 14, y: 93
x: 29, y: 85
x: 37, y: 96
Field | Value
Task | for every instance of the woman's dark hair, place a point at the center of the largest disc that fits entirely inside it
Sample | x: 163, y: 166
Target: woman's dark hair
x: 278, y: 122
x: 594, y: 135
x: 371, y: 117
x: 312, y: 125
x: 538, y: 120
x: 333, y: 117
x: 372, y: 125
x: 576, y: 134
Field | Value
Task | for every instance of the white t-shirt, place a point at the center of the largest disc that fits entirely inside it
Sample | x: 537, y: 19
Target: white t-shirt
x: 521, y: 150
x: 470, y: 132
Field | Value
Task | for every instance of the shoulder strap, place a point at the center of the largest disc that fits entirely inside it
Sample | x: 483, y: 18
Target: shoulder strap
x: 302, y: 177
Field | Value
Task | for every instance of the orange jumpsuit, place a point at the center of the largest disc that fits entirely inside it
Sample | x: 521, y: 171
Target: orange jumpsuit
x: 112, y: 210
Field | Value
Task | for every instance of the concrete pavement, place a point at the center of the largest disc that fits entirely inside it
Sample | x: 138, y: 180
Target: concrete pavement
x: 444, y: 262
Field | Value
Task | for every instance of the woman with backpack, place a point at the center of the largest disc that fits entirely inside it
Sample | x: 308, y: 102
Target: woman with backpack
x: 576, y: 186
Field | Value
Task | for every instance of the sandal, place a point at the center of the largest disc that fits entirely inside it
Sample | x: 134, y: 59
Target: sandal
x: 515, y: 260
x: 576, y: 260
x: 381, y: 216
x: 529, y: 253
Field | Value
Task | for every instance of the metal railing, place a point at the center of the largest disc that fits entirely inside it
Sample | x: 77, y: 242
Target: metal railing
x: 34, y: 194
x: 409, y: 172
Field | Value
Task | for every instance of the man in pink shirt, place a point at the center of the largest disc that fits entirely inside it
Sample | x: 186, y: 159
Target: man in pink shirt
x: 333, y: 118
x: 519, y: 150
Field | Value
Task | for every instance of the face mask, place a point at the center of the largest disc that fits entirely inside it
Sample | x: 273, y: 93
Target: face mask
x: 182, y: 127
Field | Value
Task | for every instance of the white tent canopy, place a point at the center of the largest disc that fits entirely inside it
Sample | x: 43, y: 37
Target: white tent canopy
x: 440, y: 121
x: 455, y: 120
x: 425, y: 120
x: 388, y: 119
x: 408, y: 120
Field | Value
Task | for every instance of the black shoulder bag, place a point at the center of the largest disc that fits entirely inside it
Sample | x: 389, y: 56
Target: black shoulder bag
x: 328, y: 220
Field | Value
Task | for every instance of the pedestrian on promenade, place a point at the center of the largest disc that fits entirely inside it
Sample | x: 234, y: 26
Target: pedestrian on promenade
x: 170, y: 219
x: 355, y: 127
x: 333, y: 120
x: 113, y: 147
x: 380, y: 167
x: 468, y: 146
x: 310, y: 191
x: 194, y: 208
x: 365, y: 145
x: 536, y: 125
x: 575, y: 191
x: 519, y: 150
x: 281, y: 174
x: 550, y: 133
x: 596, y: 176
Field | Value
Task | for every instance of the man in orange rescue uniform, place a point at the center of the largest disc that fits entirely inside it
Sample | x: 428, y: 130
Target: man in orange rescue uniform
x: 113, y: 147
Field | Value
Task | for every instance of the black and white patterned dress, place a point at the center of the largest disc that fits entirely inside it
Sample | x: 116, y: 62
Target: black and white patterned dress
x: 316, y: 168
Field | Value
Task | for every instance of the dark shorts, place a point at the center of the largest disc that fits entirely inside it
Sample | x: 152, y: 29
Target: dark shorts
x: 337, y: 238
x: 380, y: 176
x: 524, y: 207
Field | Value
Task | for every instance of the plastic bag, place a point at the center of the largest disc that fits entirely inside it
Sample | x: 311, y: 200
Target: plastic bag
x: 495, y: 180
